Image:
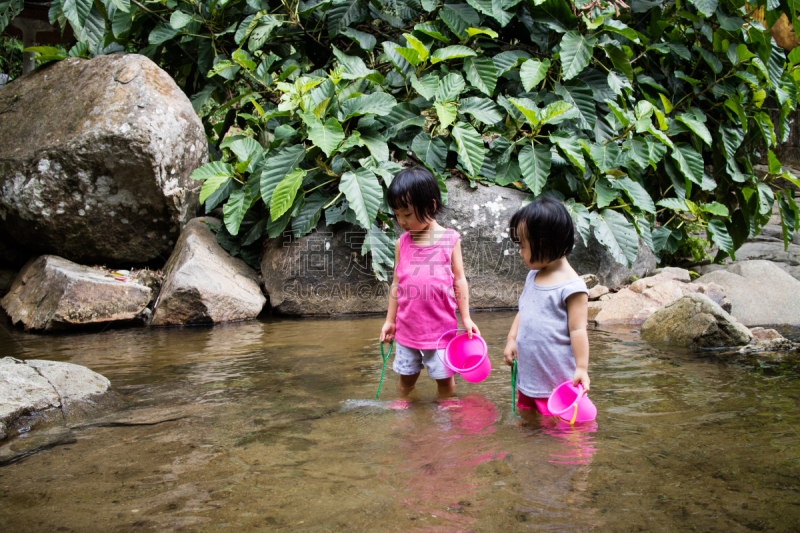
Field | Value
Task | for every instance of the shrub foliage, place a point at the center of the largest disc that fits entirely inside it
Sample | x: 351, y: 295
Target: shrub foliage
x: 648, y: 120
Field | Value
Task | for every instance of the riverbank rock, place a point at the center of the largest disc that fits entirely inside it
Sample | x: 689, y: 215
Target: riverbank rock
x: 53, y: 293
x: 33, y: 386
x: 203, y: 284
x: 95, y: 158
x: 324, y: 273
x: 760, y: 293
x: 635, y: 303
x: 697, y: 322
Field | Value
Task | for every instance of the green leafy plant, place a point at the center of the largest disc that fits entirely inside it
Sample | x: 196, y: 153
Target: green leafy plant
x: 647, y: 122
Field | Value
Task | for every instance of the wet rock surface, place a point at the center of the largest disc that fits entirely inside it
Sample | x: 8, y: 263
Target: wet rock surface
x: 324, y: 272
x: 203, y: 284
x: 53, y: 293
x: 34, y: 386
x: 694, y: 321
x: 103, y: 177
x: 760, y: 293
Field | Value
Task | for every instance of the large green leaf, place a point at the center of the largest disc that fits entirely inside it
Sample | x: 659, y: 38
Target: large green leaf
x: 307, y: 217
x: 450, y: 87
x: 576, y: 52
x: 790, y: 218
x: 375, y: 143
x: 481, y: 74
x: 245, y: 149
x: 528, y: 108
x: 446, y: 113
x: 482, y: 109
x: 381, y: 245
x: 579, y: 94
x: 425, y: 86
x: 617, y: 234
x: 533, y: 72
x: 236, y: 207
x: 285, y: 192
x: 342, y: 14
x: 277, y: 167
x: 534, y: 162
x: 365, y: 40
x: 214, y: 174
x: 470, y: 147
x: 719, y: 234
x: 162, y: 33
x: 401, y: 63
x: 606, y: 193
x: 571, y: 147
x: 638, y: 195
x: 689, y: 162
x: 696, y: 126
x: 459, y: 17
x: 431, y: 150
x: 364, y: 194
x: 327, y: 136
x: 605, y: 156
x: 402, y: 116
x: 506, y: 61
x: 706, y: 7
x: 376, y: 104
x: 452, y: 52
x: 76, y: 11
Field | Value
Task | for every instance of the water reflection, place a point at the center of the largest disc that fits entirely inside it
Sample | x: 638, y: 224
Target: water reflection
x: 682, y: 440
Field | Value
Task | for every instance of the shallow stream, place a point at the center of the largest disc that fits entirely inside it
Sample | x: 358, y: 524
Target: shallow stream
x: 267, y: 426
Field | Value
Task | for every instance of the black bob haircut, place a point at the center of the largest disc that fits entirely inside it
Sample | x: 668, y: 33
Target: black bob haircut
x: 416, y: 188
x: 547, y: 226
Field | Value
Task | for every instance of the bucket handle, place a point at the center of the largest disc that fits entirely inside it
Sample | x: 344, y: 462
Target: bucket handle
x: 575, y: 404
x: 438, y: 353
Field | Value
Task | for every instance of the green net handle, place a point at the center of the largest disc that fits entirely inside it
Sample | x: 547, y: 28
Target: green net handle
x: 514, y: 386
x: 385, y: 357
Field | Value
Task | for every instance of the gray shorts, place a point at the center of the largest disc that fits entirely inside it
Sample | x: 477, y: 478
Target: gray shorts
x: 409, y: 361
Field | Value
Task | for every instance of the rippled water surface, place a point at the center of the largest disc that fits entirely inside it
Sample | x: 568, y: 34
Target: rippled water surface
x: 278, y: 433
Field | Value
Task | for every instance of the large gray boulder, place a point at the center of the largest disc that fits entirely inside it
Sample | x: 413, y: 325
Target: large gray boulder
x: 203, y: 284
x: 53, y: 293
x: 324, y: 273
x: 95, y: 158
x: 33, y: 386
x: 760, y: 293
x: 694, y: 321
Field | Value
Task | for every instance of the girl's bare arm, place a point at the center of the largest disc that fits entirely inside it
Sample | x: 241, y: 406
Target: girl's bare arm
x: 462, y: 290
x: 388, y: 329
x: 578, y: 317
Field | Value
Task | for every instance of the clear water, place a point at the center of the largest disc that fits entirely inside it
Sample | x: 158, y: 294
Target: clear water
x: 283, y: 434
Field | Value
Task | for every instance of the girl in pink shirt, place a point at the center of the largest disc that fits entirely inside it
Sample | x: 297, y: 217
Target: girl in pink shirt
x: 428, y: 285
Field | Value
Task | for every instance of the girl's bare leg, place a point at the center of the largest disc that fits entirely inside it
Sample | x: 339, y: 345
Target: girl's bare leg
x: 406, y: 385
x: 447, y: 387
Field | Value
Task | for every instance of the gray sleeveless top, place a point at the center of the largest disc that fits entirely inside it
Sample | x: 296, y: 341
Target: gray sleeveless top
x: 544, y: 351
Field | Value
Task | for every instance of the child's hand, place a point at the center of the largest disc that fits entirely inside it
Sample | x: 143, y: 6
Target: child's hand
x: 471, y: 328
x: 582, y: 377
x: 510, y: 353
x: 387, y: 332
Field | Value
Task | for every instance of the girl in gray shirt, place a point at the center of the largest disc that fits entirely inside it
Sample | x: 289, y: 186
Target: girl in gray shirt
x: 548, y: 337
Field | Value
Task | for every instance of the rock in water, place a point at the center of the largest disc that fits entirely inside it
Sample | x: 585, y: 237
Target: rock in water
x: 695, y: 321
x: 204, y: 284
x: 33, y: 386
x: 95, y: 158
x: 324, y: 273
x: 53, y: 293
x: 760, y: 293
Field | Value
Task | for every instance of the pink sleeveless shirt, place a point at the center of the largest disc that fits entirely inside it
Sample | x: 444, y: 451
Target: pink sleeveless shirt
x: 426, y: 303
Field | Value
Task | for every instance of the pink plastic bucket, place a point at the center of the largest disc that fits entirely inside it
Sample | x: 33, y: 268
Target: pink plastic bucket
x: 468, y: 357
x: 571, y: 404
